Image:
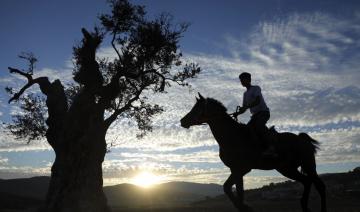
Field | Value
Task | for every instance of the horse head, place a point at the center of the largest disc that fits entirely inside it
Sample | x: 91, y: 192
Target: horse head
x: 204, y: 110
x: 196, y: 116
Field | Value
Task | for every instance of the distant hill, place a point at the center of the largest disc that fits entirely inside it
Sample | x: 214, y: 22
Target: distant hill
x: 171, y: 194
x: 341, y: 188
x: 166, y: 194
x: 34, y: 187
x: 18, y: 202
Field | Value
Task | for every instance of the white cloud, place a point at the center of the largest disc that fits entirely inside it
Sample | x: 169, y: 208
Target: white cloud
x: 309, y: 41
x: 193, y: 157
x: 64, y: 75
x: 318, y: 108
x: 3, y: 160
x: 339, y: 146
x: 9, y: 172
x: 107, y: 52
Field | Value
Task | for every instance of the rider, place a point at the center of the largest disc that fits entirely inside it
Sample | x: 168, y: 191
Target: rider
x: 260, y: 113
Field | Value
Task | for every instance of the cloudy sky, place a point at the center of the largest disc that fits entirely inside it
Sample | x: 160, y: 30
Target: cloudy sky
x: 304, y: 54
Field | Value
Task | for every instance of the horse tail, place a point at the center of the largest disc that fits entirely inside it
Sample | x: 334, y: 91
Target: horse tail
x: 314, y: 144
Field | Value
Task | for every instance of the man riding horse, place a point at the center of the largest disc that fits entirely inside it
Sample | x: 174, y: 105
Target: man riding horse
x: 260, y: 113
x: 239, y: 151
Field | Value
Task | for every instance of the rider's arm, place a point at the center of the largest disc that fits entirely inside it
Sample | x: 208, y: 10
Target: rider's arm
x: 247, y: 106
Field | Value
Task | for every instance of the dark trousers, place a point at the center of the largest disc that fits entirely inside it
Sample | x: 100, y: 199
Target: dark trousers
x: 258, y: 124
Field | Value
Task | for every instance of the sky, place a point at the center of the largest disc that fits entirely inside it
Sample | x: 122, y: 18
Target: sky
x: 305, y: 55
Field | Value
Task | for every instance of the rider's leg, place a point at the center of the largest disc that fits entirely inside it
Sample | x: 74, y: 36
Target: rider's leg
x: 258, y: 124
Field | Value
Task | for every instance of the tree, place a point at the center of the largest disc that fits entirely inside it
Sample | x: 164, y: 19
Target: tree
x: 75, y: 118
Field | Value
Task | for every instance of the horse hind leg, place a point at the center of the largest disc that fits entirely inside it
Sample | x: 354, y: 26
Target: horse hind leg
x: 320, y: 187
x: 310, y: 170
x: 294, y: 174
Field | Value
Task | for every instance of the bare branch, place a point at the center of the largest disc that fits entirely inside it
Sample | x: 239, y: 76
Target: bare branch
x: 42, y: 81
x: 22, y: 90
x: 17, y: 71
x: 30, y: 57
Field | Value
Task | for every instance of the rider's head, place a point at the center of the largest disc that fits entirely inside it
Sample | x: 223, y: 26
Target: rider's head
x: 245, y: 79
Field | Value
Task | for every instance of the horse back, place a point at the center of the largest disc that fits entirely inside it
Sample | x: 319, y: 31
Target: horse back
x: 294, y: 147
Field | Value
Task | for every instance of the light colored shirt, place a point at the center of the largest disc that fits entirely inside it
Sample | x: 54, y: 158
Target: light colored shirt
x: 250, y: 96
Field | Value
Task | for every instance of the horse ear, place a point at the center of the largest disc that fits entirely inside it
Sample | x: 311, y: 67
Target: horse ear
x: 197, y: 99
x: 201, y: 97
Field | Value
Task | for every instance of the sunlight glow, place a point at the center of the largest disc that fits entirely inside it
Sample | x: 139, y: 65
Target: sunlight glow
x: 146, y: 179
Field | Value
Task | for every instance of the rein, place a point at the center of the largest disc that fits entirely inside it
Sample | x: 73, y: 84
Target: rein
x: 217, y: 117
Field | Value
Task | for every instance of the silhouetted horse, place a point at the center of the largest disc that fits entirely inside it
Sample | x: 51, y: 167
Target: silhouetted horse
x: 241, y: 152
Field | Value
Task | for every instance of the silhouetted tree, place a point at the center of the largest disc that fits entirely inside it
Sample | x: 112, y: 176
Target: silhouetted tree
x: 75, y: 118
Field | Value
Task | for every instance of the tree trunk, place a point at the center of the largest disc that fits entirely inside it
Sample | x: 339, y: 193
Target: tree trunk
x: 76, y: 183
x: 77, y: 136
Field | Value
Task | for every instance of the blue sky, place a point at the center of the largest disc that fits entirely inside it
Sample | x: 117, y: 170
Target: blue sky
x: 304, y: 54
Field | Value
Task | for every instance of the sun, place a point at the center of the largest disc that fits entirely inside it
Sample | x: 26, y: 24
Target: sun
x: 146, y: 179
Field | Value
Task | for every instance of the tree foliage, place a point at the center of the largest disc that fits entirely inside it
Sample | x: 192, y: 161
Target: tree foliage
x: 147, y: 60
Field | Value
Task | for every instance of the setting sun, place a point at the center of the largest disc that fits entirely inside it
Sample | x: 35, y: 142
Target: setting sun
x: 146, y: 179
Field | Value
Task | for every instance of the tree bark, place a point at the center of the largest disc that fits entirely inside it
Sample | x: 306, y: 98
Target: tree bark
x: 76, y: 175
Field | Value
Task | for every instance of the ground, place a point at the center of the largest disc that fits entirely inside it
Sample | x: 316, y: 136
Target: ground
x: 259, y: 206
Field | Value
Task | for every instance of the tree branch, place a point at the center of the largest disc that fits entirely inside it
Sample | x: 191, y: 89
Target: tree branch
x: 42, y: 81
x: 114, y: 47
x: 27, y: 75
x: 56, y: 102
x: 162, y: 86
x: 118, y: 111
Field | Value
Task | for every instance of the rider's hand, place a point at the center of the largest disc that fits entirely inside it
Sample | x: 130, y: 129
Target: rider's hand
x: 241, y: 110
x: 235, y: 115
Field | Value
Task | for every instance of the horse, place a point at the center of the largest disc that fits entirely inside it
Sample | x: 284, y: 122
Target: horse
x: 241, y: 152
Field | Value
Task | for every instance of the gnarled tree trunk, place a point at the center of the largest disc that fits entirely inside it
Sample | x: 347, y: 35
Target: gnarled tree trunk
x: 76, y: 175
x: 77, y: 135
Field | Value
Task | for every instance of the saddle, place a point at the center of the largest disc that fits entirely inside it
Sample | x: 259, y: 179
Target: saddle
x: 268, y: 142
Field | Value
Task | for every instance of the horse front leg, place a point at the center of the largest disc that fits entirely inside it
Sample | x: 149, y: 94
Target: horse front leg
x: 239, y: 182
x: 237, y: 200
x: 229, y: 192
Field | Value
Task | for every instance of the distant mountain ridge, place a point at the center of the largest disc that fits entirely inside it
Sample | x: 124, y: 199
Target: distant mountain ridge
x: 166, y: 195
x: 34, y: 187
x: 122, y: 195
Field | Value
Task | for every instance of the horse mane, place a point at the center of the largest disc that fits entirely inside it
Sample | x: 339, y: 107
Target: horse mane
x: 214, y: 104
